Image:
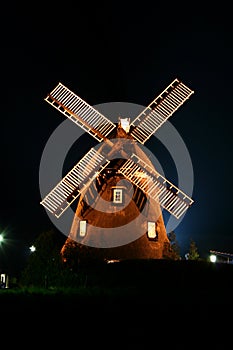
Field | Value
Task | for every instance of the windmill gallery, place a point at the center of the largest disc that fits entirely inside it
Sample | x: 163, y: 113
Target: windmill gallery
x: 118, y: 191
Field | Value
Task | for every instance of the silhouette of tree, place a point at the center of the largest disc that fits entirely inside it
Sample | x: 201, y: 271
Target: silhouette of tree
x: 193, y: 251
x: 172, y: 249
x: 44, y: 264
x: 46, y: 267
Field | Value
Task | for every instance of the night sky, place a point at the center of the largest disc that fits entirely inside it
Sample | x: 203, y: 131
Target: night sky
x: 111, y: 53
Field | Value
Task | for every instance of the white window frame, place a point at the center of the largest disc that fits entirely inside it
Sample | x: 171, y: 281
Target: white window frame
x: 151, y: 230
x: 117, y: 192
x: 82, y: 228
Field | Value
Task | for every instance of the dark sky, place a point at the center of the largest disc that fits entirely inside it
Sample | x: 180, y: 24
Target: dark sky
x: 110, y: 53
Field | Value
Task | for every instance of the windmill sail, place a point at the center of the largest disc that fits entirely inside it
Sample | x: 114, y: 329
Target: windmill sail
x: 72, y: 185
x: 160, y: 109
x: 80, y: 112
x: 156, y: 186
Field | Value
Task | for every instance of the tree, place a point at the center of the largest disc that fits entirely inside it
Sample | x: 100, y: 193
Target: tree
x: 44, y: 264
x: 193, y: 251
x: 172, y: 249
x: 46, y: 268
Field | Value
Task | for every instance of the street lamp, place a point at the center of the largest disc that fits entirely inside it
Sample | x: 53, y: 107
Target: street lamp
x: 32, y: 248
x: 1, y: 238
x: 213, y: 258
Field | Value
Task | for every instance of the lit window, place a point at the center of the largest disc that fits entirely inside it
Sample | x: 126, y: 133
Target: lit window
x: 151, y: 230
x: 82, y: 228
x: 117, y: 195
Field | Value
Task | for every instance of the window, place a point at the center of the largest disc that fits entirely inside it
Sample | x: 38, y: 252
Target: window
x: 117, y: 196
x: 151, y: 230
x: 82, y: 228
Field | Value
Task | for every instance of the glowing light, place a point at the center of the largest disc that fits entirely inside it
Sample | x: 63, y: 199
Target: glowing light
x: 117, y: 195
x: 83, y: 228
x: 140, y: 173
x: 213, y: 258
x: 32, y: 248
x: 112, y: 261
x: 151, y: 230
x: 4, y: 280
x: 124, y: 122
x: 1, y: 238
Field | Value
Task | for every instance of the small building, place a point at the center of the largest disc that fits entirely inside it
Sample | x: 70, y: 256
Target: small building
x: 222, y: 257
x: 4, y: 280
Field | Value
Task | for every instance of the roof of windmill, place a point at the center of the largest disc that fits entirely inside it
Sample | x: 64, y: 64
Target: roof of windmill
x: 138, y: 149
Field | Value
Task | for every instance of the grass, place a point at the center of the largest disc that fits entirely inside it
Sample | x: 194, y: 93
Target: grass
x: 146, y: 283
x: 127, y: 304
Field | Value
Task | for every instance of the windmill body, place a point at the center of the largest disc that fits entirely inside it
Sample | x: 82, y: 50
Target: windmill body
x: 117, y: 228
x: 120, y: 194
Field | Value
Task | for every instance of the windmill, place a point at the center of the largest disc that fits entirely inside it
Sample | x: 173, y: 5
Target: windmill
x: 119, y: 192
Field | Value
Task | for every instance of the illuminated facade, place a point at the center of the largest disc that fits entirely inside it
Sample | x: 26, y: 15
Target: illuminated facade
x: 112, y: 220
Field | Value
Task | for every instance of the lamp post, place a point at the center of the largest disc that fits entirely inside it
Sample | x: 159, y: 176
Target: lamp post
x: 32, y: 248
x: 213, y: 258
